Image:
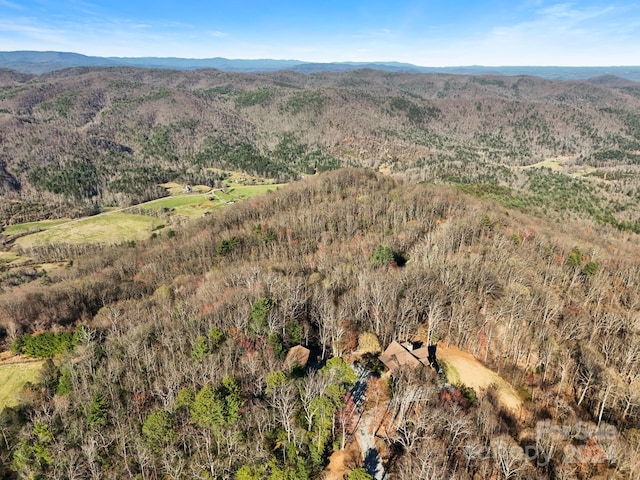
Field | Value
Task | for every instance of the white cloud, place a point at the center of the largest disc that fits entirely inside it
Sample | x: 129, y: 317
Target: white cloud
x: 565, y: 11
x: 33, y: 32
x: 8, y: 4
x: 560, y: 34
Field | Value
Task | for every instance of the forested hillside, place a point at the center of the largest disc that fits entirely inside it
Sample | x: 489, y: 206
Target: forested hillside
x: 77, y: 141
x: 176, y: 367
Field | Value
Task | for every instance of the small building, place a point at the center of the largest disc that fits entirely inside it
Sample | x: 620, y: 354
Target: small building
x: 397, y: 355
x: 400, y: 354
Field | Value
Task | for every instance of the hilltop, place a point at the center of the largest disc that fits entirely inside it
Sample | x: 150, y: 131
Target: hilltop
x: 177, y: 363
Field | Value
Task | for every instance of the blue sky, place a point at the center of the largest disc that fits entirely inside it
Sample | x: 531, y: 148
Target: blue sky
x: 429, y: 33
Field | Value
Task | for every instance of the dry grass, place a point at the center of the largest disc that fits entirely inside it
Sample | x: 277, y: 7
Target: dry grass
x: 557, y: 164
x: 463, y: 368
x: 341, y: 462
x: 174, y: 201
x: 173, y: 188
x: 7, y: 257
x: 32, y: 226
x: 13, y: 377
x: 562, y: 164
x: 111, y: 228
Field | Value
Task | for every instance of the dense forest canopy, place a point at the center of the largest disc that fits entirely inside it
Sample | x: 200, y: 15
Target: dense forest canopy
x: 173, y: 364
x: 84, y: 139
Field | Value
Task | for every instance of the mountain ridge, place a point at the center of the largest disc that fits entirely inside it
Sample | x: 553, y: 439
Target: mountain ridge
x: 37, y: 62
x: 109, y: 136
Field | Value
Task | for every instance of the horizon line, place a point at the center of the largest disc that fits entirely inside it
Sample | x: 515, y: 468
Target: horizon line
x: 328, y: 62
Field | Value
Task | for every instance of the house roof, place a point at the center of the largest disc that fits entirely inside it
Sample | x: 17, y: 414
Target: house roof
x: 396, y: 356
x: 422, y: 354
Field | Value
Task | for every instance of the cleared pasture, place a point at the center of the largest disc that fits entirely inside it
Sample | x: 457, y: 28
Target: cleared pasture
x: 109, y: 228
x: 13, y: 377
x: 32, y: 226
x: 121, y: 225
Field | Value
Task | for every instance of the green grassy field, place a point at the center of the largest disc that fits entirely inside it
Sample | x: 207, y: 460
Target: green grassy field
x: 120, y: 226
x: 242, y: 192
x: 174, y: 188
x: 32, y: 226
x: 192, y: 205
x: 110, y: 228
x: 174, y: 201
x: 13, y: 377
x: 224, y: 196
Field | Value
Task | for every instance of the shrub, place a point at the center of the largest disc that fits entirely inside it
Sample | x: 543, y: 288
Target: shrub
x: 368, y: 343
x: 226, y: 246
x: 383, y: 255
x: 590, y: 268
x: 216, y: 337
x: 260, y: 312
x: 575, y: 258
x: 43, y: 345
x: 359, y: 474
x: 64, y: 383
x: 470, y: 394
x: 185, y: 398
x: 98, y: 408
x: 247, y: 472
x: 200, y: 349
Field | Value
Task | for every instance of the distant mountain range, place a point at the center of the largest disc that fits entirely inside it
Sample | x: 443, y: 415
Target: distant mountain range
x: 43, y: 62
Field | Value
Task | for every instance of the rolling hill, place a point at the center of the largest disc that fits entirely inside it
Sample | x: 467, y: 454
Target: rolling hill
x: 177, y: 363
x: 83, y: 139
x: 495, y: 216
x: 43, y: 62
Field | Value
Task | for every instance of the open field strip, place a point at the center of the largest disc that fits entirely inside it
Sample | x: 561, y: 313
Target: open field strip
x: 13, y: 377
x: 117, y: 226
x: 33, y: 226
x: 564, y: 164
x: 555, y: 164
x: 7, y: 257
x: 190, y: 205
x: 174, y: 188
x: 108, y: 228
x: 247, y: 191
x: 173, y: 201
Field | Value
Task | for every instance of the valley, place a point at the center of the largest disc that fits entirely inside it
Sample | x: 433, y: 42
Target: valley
x: 168, y: 236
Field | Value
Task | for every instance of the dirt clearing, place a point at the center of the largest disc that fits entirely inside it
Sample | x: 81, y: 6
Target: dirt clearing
x: 462, y: 367
x: 341, y: 462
